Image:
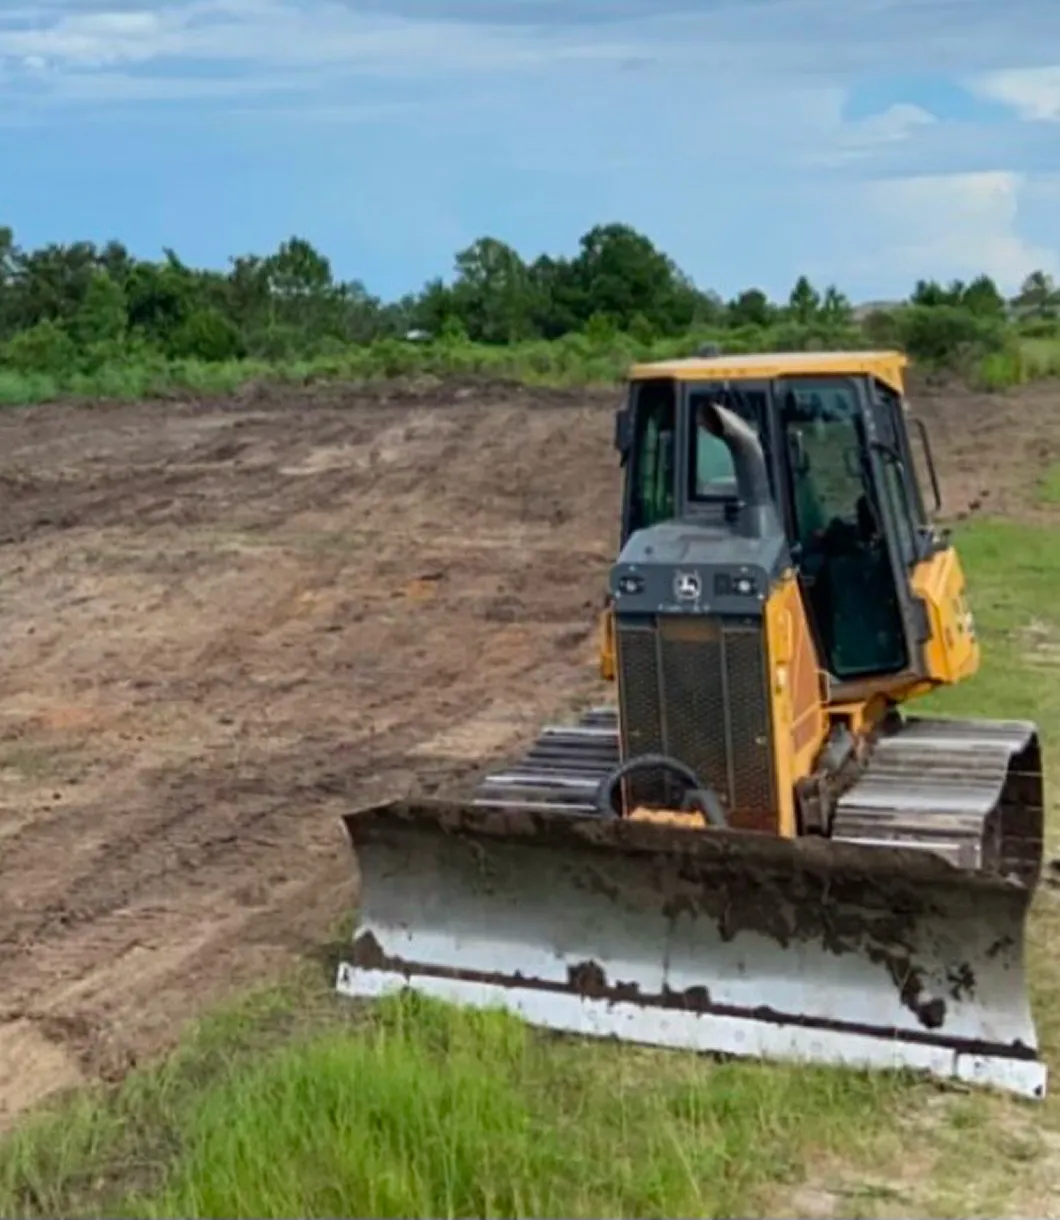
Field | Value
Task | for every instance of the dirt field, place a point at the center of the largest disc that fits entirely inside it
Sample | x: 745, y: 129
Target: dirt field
x: 225, y: 622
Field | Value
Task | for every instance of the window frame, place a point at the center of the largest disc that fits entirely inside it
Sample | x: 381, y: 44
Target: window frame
x: 891, y: 418
x: 633, y: 499
x: 760, y: 417
x: 854, y: 389
x: 866, y: 420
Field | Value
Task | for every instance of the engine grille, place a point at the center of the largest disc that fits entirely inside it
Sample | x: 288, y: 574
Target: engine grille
x: 697, y: 690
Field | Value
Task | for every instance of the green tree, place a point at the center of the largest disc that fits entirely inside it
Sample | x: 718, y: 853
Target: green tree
x: 493, y: 293
x: 750, y: 308
x: 560, y: 299
x: 622, y: 274
x: 1038, y: 295
x: 804, y: 304
x: 42, y: 348
x: 50, y: 283
x: 983, y: 298
x: 159, y: 297
x: 641, y: 330
x: 939, y: 334
x: 206, y: 334
x: 601, y: 330
x: 930, y: 294
x: 434, y: 308
x: 298, y: 272
x: 116, y: 261
x: 79, y: 306
x: 102, y: 315
x: 835, y: 307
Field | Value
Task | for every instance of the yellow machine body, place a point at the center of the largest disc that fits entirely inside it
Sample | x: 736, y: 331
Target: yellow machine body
x: 755, y: 850
x: 804, y: 701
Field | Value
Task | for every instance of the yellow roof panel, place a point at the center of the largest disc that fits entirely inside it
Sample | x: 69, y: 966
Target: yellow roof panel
x: 760, y: 366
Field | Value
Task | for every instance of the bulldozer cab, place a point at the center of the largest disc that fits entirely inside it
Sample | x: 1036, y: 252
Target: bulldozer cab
x: 842, y: 480
x: 732, y: 858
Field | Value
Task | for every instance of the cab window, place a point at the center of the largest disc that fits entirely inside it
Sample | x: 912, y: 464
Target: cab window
x: 840, y: 544
x: 712, y: 475
x: 652, y: 459
x: 830, y: 480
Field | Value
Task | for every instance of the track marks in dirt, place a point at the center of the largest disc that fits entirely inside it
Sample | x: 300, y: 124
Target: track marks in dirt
x: 227, y: 622
x: 212, y: 659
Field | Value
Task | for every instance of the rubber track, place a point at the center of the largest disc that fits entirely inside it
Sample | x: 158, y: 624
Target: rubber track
x: 966, y: 790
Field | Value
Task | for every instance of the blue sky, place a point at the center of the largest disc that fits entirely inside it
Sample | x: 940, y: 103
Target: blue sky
x: 866, y: 142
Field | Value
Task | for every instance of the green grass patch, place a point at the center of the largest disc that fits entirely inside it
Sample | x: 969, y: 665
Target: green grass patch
x: 993, y: 1156
x: 294, y: 1103
x: 424, y: 1110
x: 435, y: 1112
x: 1041, y: 358
x: 1021, y: 361
x: 1049, y: 486
x: 1013, y: 572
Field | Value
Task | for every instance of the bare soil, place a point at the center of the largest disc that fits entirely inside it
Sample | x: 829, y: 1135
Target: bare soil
x: 226, y: 622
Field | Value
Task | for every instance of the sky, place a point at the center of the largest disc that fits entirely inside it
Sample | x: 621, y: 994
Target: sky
x: 868, y: 143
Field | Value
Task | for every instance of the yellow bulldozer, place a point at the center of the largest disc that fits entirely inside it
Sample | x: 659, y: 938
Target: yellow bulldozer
x: 755, y: 851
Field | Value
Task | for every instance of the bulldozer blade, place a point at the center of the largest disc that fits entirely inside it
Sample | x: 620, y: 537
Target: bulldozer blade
x: 722, y: 942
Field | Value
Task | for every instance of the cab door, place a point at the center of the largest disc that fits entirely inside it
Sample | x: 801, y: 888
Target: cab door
x: 840, y: 539
x: 900, y: 487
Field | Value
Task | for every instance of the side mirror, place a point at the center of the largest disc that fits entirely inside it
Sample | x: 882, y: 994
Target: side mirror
x: 623, y: 430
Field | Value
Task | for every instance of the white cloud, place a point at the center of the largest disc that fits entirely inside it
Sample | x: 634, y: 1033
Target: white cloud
x: 733, y: 120
x: 957, y: 225
x: 1034, y: 93
x: 898, y: 122
x: 91, y: 39
x: 262, y: 34
x: 856, y: 141
x: 822, y: 41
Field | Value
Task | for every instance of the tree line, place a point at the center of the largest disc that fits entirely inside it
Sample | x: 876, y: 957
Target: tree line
x: 82, y: 305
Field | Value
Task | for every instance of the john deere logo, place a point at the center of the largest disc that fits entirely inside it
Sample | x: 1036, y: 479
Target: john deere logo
x: 687, y: 586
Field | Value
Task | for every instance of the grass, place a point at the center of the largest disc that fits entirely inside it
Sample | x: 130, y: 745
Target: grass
x: 990, y: 1156
x: 1041, y: 358
x: 290, y: 1103
x: 421, y: 1110
x: 1049, y: 486
x: 573, y: 360
x: 1013, y: 570
x: 1029, y: 359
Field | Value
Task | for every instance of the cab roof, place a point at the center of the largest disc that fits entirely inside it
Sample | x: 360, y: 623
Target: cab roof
x: 763, y: 366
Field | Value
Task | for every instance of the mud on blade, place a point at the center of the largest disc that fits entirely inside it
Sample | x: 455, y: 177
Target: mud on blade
x: 723, y: 942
